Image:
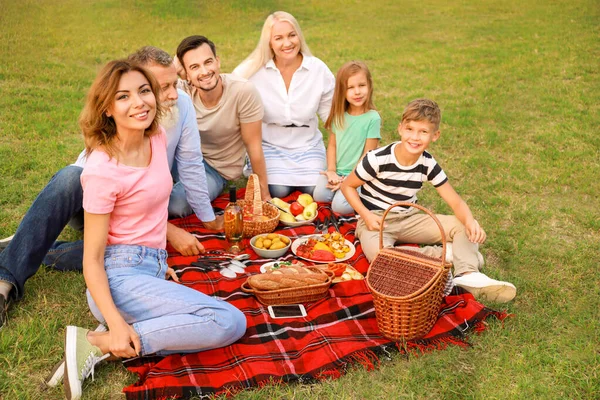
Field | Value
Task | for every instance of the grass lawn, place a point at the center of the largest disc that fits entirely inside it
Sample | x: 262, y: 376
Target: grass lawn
x: 518, y: 84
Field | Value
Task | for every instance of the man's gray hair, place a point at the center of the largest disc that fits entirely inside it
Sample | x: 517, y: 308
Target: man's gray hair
x: 148, y: 55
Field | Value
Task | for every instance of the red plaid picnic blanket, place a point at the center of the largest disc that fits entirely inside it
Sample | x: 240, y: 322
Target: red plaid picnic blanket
x: 338, y: 331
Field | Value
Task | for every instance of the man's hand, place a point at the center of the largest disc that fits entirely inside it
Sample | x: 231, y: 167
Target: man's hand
x: 184, y: 242
x: 475, y: 233
x: 179, y: 68
x: 216, y: 224
x: 372, y: 221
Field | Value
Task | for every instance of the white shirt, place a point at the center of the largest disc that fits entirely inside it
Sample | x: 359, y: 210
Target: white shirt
x: 310, y: 93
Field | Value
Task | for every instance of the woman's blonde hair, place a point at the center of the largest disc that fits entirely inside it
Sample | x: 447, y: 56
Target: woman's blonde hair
x: 263, y: 51
x: 340, y: 104
x: 98, y: 128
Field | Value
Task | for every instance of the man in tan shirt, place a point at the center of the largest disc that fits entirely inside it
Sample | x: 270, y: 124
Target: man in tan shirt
x: 229, y: 113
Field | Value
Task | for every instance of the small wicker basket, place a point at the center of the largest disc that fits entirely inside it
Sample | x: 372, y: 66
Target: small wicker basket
x: 254, y: 205
x: 297, y: 295
x: 407, y: 286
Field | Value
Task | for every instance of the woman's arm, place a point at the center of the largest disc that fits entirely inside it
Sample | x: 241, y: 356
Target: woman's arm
x: 94, y: 242
x: 461, y: 210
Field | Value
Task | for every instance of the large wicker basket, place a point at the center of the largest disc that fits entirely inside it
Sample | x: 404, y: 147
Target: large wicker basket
x: 407, y: 286
x: 254, y: 205
x: 298, y: 295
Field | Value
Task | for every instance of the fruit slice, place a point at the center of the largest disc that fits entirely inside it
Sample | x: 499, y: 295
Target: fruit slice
x: 322, y: 255
x: 281, y: 204
x: 285, y: 217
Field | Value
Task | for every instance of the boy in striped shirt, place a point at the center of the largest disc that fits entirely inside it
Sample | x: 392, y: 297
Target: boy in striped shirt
x: 397, y: 172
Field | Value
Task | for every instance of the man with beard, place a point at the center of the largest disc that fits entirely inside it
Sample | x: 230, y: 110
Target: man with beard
x: 60, y: 202
x: 229, y: 113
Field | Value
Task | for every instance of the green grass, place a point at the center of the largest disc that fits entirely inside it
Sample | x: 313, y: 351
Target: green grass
x: 519, y: 88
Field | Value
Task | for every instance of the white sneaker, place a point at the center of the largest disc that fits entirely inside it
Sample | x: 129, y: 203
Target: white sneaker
x: 486, y: 288
x: 80, y: 359
x: 56, y: 376
x: 5, y: 242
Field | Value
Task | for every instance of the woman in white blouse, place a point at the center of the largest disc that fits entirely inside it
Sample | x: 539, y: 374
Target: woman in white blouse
x: 295, y: 87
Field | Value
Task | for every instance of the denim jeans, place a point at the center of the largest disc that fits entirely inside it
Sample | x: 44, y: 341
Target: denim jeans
x: 50, y: 212
x: 283, y: 190
x: 338, y: 201
x: 169, y: 317
x: 178, y: 205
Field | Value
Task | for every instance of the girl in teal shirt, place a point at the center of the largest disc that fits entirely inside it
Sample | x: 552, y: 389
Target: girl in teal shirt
x: 354, y: 128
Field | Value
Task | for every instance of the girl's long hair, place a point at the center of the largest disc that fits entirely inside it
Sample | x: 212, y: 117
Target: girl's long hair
x: 99, y: 129
x: 263, y: 52
x: 340, y: 104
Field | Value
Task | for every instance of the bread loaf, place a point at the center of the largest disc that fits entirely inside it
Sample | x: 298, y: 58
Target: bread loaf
x: 285, y: 281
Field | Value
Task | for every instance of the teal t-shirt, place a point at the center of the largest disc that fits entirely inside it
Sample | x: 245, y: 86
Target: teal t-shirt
x: 350, y: 141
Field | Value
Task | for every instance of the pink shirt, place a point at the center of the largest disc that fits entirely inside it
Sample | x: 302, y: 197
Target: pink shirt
x: 136, y: 197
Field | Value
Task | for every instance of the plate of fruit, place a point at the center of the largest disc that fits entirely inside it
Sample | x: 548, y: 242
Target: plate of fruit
x: 303, y: 211
x: 330, y: 247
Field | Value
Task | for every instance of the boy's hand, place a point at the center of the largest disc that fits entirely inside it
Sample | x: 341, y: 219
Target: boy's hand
x: 373, y: 221
x: 475, y: 233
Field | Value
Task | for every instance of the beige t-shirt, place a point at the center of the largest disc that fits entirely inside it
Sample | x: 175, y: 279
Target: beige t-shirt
x: 220, y: 133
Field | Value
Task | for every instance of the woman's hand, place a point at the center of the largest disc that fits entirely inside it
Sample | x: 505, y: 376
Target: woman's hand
x: 475, y: 233
x: 171, y: 274
x: 122, y: 337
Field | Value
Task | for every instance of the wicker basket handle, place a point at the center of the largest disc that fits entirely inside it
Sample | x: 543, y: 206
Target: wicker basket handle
x: 432, y: 215
x: 253, y: 197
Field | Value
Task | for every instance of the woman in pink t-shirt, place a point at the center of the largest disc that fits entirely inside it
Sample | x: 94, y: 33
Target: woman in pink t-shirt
x: 126, y: 186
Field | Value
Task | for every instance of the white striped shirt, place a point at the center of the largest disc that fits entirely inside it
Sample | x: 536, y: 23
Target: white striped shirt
x: 387, y: 182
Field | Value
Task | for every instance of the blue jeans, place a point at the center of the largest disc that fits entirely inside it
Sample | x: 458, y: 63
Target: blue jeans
x: 338, y: 201
x: 169, y: 317
x: 50, y: 212
x: 178, y: 205
x: 283, y: 190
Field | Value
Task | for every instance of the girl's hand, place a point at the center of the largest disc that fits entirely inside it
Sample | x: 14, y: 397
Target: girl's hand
x: 373, y: 221
x: 122, y: 337
x: 171, y: 274
x: 475, y: 233
x: 335, y: 187
x: 332, y: 177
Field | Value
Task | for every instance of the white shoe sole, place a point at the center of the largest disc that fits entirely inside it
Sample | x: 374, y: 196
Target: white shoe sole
x: 71, y: 381
x: 58, y: 372
x: 499, y: 293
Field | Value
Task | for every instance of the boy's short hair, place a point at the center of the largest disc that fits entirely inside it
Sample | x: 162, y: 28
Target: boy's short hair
x: 423, y: 110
